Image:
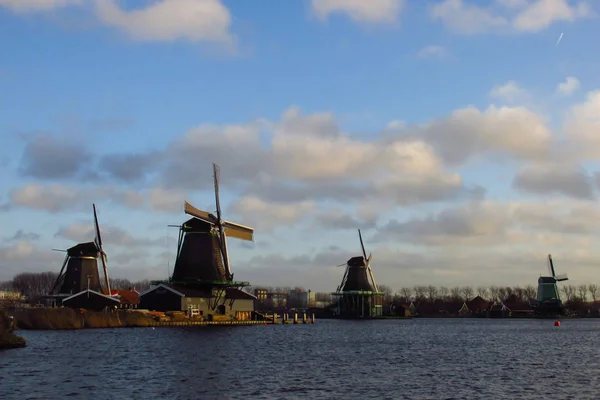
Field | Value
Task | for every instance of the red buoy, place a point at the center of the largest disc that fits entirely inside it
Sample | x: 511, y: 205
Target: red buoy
x: 556, y: 323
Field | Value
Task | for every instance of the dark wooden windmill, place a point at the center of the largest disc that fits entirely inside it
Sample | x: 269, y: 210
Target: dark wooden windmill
x: 548, y: 298
x: 79, y: 274
x: 357, y: 295
x: 202, y: 257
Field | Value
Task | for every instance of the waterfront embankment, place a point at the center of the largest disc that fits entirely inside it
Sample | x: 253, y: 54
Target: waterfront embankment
x: 47, y: 318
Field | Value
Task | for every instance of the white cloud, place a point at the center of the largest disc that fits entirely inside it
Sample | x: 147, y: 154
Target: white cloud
x: 194, y: 20
x: 470, y: 17
x: 510, y: 92
x: 541, y: 14
x: 568, y: 87
x: 433, y: 51
x: 265, y: 216
x: 458, y: 16
x: 467, y: 133
x: 582, y: 126
x: 372, y: 11
x: 26, y: 6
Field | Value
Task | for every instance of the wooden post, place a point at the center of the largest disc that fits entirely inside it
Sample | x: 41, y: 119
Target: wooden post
x: 303, y: 318
x: 313, y: 318
x: 295, y: 318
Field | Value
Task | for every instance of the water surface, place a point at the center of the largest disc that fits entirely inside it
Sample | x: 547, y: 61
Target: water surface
x: 392, y: 359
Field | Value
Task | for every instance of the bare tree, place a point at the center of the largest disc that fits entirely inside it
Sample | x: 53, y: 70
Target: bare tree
x: 142, y: 285
x: 582, y: 290
x: 530, y: 292
x: 33, y: 285
x: 444, y: 291
x: 519, y: 292
x: 482, y: 292
x: 569, y: 291
x: 406, y: 294
x: 120, y: 284
x: 593, y: 289
x: 467, y: 293
x: 432, y: 293
x: 387, y: 292
x: 455, y: 293
x: 420, y: 292
x: 494, y: 293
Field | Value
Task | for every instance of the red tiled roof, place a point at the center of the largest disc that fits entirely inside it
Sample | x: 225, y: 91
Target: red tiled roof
x: 129, y: 296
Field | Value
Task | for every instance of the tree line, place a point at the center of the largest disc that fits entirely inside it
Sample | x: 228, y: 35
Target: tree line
x: 568, y: 293
x: 32, y: 284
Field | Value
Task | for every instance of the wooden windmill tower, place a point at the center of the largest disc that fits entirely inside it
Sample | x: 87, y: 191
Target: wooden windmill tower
x: 357, y: 295
x: 548, y: 298
x: 202, y: 257
x: 79, y: 274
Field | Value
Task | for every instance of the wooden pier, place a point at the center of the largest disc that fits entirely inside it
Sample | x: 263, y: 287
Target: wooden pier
x: 274, y: 319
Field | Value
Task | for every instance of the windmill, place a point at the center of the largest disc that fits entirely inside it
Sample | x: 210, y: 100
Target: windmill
x: 548, y: 298
x: 79, y: 271
x: 358, y: 296
x: 202, y: 256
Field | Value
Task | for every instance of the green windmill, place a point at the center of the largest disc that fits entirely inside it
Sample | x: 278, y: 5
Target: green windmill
x: 548, y: 298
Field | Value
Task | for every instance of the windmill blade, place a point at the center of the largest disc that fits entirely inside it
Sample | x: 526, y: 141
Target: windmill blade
x: 201, y: 215
x: 101, y: 251
x: 562, y: 277
x: 551, y: 266
x: 362, y: 245
x: 61, y: 276
x: 222, y: 237
x: 238, y: 231
x: 61, y: 250
x: 216, y: 173
x: 97, y: 227
x: 103, y: 258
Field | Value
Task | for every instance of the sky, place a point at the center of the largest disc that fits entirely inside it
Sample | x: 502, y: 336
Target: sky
x: 462, y: 137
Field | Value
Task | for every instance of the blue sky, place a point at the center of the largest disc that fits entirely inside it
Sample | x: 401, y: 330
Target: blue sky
x: 127, y: 103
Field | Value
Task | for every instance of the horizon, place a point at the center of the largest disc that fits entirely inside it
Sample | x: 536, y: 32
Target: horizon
x: 460, y: 136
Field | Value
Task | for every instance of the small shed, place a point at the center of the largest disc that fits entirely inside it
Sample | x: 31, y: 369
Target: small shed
x: 90, y: 300
x: 195, y: 301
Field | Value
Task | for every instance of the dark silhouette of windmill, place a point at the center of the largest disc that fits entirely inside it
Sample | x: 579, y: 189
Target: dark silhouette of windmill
x: 548, y: 298
x: 202, y: 257
x: 79, y: 272
x: 357, y: 295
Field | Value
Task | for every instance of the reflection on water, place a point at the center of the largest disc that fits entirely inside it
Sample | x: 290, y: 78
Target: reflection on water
x: 394, y: 359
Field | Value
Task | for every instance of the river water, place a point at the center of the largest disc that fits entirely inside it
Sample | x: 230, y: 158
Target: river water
x: 390, y: 359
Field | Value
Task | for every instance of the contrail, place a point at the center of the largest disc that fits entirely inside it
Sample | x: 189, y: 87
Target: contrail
x: 559, y: 38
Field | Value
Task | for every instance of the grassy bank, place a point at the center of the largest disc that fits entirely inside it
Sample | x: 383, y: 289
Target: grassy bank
x: 8, y: 340
x: 67, y: 318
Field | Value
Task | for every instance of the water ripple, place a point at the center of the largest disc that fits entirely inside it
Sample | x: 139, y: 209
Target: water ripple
x: 450, y: 359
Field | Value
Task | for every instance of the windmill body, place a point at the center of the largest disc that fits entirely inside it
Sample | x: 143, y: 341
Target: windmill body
x: 78, y: 284
x: 202, y: 281
x: 357, y: 295
x: 548, y: 296
x: 81, y: 271
x: 199, y: 258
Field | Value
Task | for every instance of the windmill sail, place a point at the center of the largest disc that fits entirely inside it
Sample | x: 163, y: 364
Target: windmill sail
x: 103, y: 258
x: 231, y: 228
